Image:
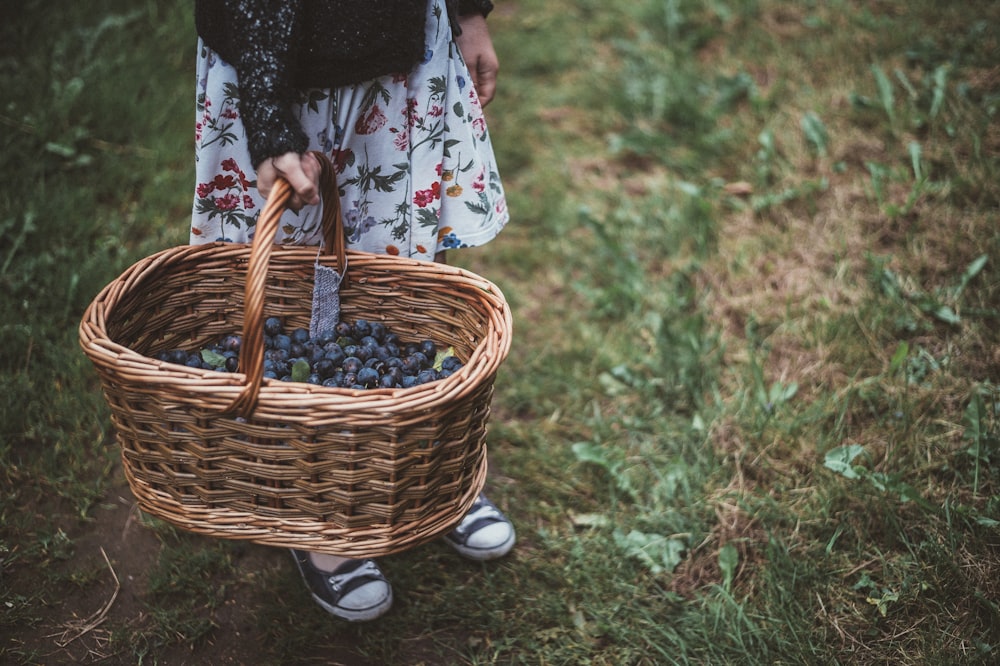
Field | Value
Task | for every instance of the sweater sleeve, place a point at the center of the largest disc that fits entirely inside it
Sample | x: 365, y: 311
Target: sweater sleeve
x: 466, y: 7
x: 265, y: 35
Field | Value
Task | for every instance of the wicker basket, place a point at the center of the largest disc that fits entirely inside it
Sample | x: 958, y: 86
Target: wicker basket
x: 235, y: 455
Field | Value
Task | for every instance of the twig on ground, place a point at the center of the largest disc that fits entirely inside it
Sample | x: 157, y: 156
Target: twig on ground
x: 74, y: 629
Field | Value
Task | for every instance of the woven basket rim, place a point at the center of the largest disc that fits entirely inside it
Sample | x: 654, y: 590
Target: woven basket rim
x: 160, y: 375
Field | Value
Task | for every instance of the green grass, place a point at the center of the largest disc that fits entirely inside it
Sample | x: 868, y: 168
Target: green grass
x: 751, y: 414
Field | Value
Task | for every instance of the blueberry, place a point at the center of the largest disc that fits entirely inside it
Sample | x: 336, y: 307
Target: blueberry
x: 428, y: 348
x: 342, y: 330
x: 231, y: 343
x: 408, y: 381
x: 362, y: 328
x: 451, y: 364
x: 395, y: 374
x: 300, y: 335
x: 325, y: 367
x: 368, y: 377
x: 314, y: 379
x: 352, y: 364
x: 411, y: 365
x: 378, y: 331
x: 426, y: 376
x: 297, y: 349
x: 283, y: 341
x: 348, y: 380
x: 422, y: 360
x: 193, y: 361
x: 270, y: 374
x: 316, y: 353
x: 390, y: 338
x: 331, y: 382
x: 364, y: 353
x: 178, y: 356
x: 376, y: 364
x: 387, y: 382
x: 232, y: 363
x: 272, y: 326
x: 336, y: 354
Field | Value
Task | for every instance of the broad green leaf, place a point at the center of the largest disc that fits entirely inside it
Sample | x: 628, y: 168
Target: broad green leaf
x: 841, y: 458
x: 815, y: 132
x: 885, y: 93
x: 212, y: 358
x: 729, y: 559
x: 899, y: 357
x: 300, y: 371
x: 659, y: 553
x: 915, y: 160
x: 588, y: 452
x: 441, y: 356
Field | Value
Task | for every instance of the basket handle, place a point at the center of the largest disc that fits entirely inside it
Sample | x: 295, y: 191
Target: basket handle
x: 252, y: 347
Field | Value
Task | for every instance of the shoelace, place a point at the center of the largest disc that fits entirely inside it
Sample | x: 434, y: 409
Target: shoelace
x: 484, y: 510
x: 367, y: 569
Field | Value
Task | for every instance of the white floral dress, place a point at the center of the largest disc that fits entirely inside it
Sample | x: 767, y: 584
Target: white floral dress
x: 414, y: 162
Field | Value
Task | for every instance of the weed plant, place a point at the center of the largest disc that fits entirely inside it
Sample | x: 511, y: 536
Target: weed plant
x: 751, y: 414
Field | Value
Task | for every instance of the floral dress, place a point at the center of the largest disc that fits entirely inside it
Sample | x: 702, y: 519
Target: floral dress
x: 414, y: 163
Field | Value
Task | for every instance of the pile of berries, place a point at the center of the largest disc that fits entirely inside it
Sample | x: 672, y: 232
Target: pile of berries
x: 358, y: 355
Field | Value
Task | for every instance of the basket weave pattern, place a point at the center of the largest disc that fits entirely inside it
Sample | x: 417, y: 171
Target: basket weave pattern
x: 349, y: 472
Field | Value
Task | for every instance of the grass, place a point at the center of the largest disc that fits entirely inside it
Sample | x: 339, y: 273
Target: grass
x: 751, y: 412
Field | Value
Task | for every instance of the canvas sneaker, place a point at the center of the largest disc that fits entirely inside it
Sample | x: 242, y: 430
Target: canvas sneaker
x: 485, y: 533
x: 356, y: 591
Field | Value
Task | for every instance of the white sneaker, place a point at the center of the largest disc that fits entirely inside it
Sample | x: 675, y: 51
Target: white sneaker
x: 356, y: 591
x: 485, y: 533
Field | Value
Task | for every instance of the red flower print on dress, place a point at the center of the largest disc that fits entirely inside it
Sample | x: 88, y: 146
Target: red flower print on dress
x: 401, y: 141
x: 410, y: 111
x: 224, y: 182
x: 231, y: 165
x: 479, y: 125
x: 426, y: 197
x: 370, y: 122
x: 228, y: 202
x: 342, y: 159
x: 479, y: 184
x: 204, y: 189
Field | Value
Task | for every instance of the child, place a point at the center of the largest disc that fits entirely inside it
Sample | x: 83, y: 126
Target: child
x: 392, y: 91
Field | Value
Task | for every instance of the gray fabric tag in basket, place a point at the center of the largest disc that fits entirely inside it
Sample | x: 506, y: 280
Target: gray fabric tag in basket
x: 325, y: 300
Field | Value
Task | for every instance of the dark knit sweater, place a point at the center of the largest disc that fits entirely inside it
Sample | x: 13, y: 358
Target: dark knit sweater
x: 279, y: 48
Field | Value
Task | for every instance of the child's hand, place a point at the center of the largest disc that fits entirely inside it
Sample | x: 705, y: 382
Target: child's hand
x: 476, y: 46
x: 301, y: 172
